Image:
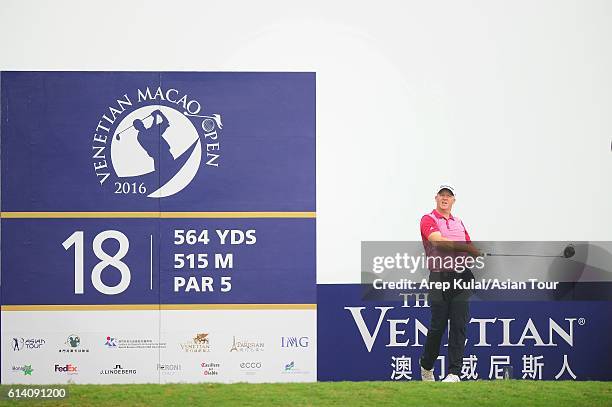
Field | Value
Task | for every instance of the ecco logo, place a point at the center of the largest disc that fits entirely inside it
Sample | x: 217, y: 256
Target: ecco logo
x: 250, y: 365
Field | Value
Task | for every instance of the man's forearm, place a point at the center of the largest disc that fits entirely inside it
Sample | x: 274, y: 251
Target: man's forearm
x: 453, y: 246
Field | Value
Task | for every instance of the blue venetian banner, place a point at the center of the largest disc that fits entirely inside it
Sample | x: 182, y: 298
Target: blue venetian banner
x: 360, y: 339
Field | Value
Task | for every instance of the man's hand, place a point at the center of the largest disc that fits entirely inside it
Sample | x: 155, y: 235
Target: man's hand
x: 474, y: 251
x: 438, y: 240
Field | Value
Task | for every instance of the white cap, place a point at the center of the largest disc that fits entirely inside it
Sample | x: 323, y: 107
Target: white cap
x: 448, y: 186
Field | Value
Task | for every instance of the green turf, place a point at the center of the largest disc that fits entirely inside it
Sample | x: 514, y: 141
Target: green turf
x: 481, y: 393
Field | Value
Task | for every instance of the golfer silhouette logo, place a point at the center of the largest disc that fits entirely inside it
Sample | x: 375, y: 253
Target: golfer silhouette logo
x: 18, y: 344
x: 159, y: 144
x: 148, y: 137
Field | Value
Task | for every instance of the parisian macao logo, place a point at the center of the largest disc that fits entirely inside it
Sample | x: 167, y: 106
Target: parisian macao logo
x: 152, y: 142
x: 246, y: 345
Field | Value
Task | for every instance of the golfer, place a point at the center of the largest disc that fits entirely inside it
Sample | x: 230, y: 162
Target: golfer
x: 444, y: 234
x: 151, y: 140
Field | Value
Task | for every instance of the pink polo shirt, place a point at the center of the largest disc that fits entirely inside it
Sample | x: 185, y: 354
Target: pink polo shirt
x: 447, y: 227
x: 451, y: 228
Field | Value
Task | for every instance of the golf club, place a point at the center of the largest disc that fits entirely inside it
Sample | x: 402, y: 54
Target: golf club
x: 568, y: 252
x: 215, y: 117
x: 118, y: 136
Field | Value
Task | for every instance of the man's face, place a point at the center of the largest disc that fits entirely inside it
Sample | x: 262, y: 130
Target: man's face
x: 445, y: 200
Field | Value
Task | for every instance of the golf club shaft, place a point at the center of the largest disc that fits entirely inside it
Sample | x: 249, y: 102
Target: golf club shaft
x: 213, y: 117
x: 127, y: 128
x: 521, y: 255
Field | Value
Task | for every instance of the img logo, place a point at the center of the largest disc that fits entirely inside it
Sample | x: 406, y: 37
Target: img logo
x: 153, y: 141
x: 295, y: 342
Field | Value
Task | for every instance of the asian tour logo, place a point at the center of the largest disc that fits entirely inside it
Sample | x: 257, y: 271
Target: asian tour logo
x: 18, y: 344
x: 151, y: 142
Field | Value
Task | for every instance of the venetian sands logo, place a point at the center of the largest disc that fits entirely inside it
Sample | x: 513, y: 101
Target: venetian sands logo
x: 200, y: 343
x: 152, y: 142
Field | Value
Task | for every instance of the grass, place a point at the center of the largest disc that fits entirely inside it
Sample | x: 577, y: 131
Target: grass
x: 480, y: 393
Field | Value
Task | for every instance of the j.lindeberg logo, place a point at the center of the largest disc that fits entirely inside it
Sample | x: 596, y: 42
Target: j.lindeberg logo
x: 155, y: 139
